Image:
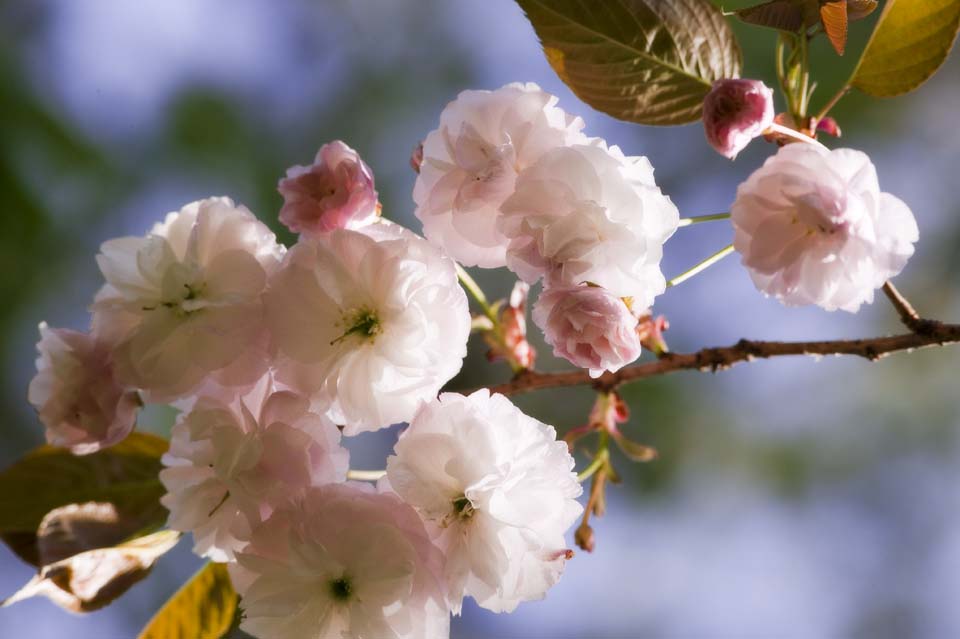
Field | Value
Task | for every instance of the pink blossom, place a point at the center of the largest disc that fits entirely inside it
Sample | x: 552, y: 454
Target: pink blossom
x: 813, y: 227
x: 588, y: 326
x: 76, y: 395
x: 335, y: 192
x: 736, y: 111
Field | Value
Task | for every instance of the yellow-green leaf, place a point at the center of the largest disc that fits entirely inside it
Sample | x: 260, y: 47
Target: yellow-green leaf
x: 646, y: 61
x: 125, y: 475
x: 911, y: 40
x: 203, y: 608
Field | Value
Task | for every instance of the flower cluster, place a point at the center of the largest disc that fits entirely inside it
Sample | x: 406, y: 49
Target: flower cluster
x: 509, y: 179
x: 273, y: 355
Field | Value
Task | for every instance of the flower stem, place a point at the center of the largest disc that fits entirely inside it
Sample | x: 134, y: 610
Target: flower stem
x: 477, y: 294
x: 702, y: 266
x: 600, y: 459
x: 366, y: 475
x: 833, y: 101
x: 687, y: 221
x: 796, y: 135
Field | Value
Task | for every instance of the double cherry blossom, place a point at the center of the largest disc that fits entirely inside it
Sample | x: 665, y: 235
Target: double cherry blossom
x: 275, y: 355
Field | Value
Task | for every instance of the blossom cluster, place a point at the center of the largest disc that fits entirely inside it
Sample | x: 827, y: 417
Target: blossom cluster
x: 510, y: 179
x: 274, y: 355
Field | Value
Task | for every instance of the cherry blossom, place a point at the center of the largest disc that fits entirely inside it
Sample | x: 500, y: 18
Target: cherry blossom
x: 342, y: 561
x: 368, y: 323
x: 76, y: 393
x: 588, y: 327
x: 497, y: 488
x: 233, y: 459
x: 185, y: 301
x: 586, y: 213
x: 813, y: 227
x: 468, y: 166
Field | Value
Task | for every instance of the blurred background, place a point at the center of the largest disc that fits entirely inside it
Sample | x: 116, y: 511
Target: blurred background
x: 791, y: 498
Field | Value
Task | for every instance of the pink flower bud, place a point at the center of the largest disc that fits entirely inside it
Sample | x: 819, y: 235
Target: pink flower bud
x: 511, y: 343
x: 651, y: 332
x: 335, y: 192
x: 830, y: 127
x: 736, y: 111
x: 416, y: 158
x: 588, y: 326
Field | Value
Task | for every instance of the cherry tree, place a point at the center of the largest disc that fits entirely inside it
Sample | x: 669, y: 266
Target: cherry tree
x: 273, y: 355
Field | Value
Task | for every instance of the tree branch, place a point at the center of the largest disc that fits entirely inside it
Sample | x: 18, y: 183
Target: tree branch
x: 927, y: 333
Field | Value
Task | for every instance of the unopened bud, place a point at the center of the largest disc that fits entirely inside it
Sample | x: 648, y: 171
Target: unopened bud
x: 585, y: 538
x: 736, y: 111
x: 416, y: 158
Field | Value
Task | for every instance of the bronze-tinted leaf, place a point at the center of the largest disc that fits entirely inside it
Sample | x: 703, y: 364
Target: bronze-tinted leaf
x: 785, y: 15
x: 125, y: 475
x: 833, y: 16
x: 76, y: 528
x: 204, y: 608
x: 646, y: 61
x: 911, y: 41
x: 860, y: 9
x: 92, y: 579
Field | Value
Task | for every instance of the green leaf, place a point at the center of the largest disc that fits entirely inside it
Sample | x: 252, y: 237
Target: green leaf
x: 646, y: 61
x: 911, y: 40
x: 204, y: 608
x: 125, y: 475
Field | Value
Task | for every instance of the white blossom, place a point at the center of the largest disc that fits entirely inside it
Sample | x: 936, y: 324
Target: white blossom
x: 342, y: 562
x: 588, y: 327
x: 813, y: 227
x: 587, y: 213
x: 498, y: 489
x: 470, y: 163
x: 186, y: 300
x: 370, y: 323
x: 233, y: 459
x: 76, y: 394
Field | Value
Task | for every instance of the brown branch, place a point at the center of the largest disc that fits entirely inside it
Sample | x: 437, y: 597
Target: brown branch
x: 908, y: 315
x: 926, y: 333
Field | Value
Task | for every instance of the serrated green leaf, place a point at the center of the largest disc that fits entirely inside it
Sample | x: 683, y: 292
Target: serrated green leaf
x: 204, y: 608
x: 125, y: 475
x: 646, y: 61
x: 910, y: 42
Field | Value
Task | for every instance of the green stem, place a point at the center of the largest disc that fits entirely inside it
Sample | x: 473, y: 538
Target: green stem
x: 833, y: 101
x: 702, y: 266
x: 687, y: 221
x: 477, y: 294
x: 601, y: 459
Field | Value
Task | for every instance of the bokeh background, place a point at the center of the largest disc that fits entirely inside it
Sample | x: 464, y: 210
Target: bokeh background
x: 791, y: 498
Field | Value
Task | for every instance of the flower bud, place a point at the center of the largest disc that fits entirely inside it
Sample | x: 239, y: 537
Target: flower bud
x: 335, y: 192
x: 510, y: 343
x: 736, y: 111
x: 585, y: 538
x: 588, y: 326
